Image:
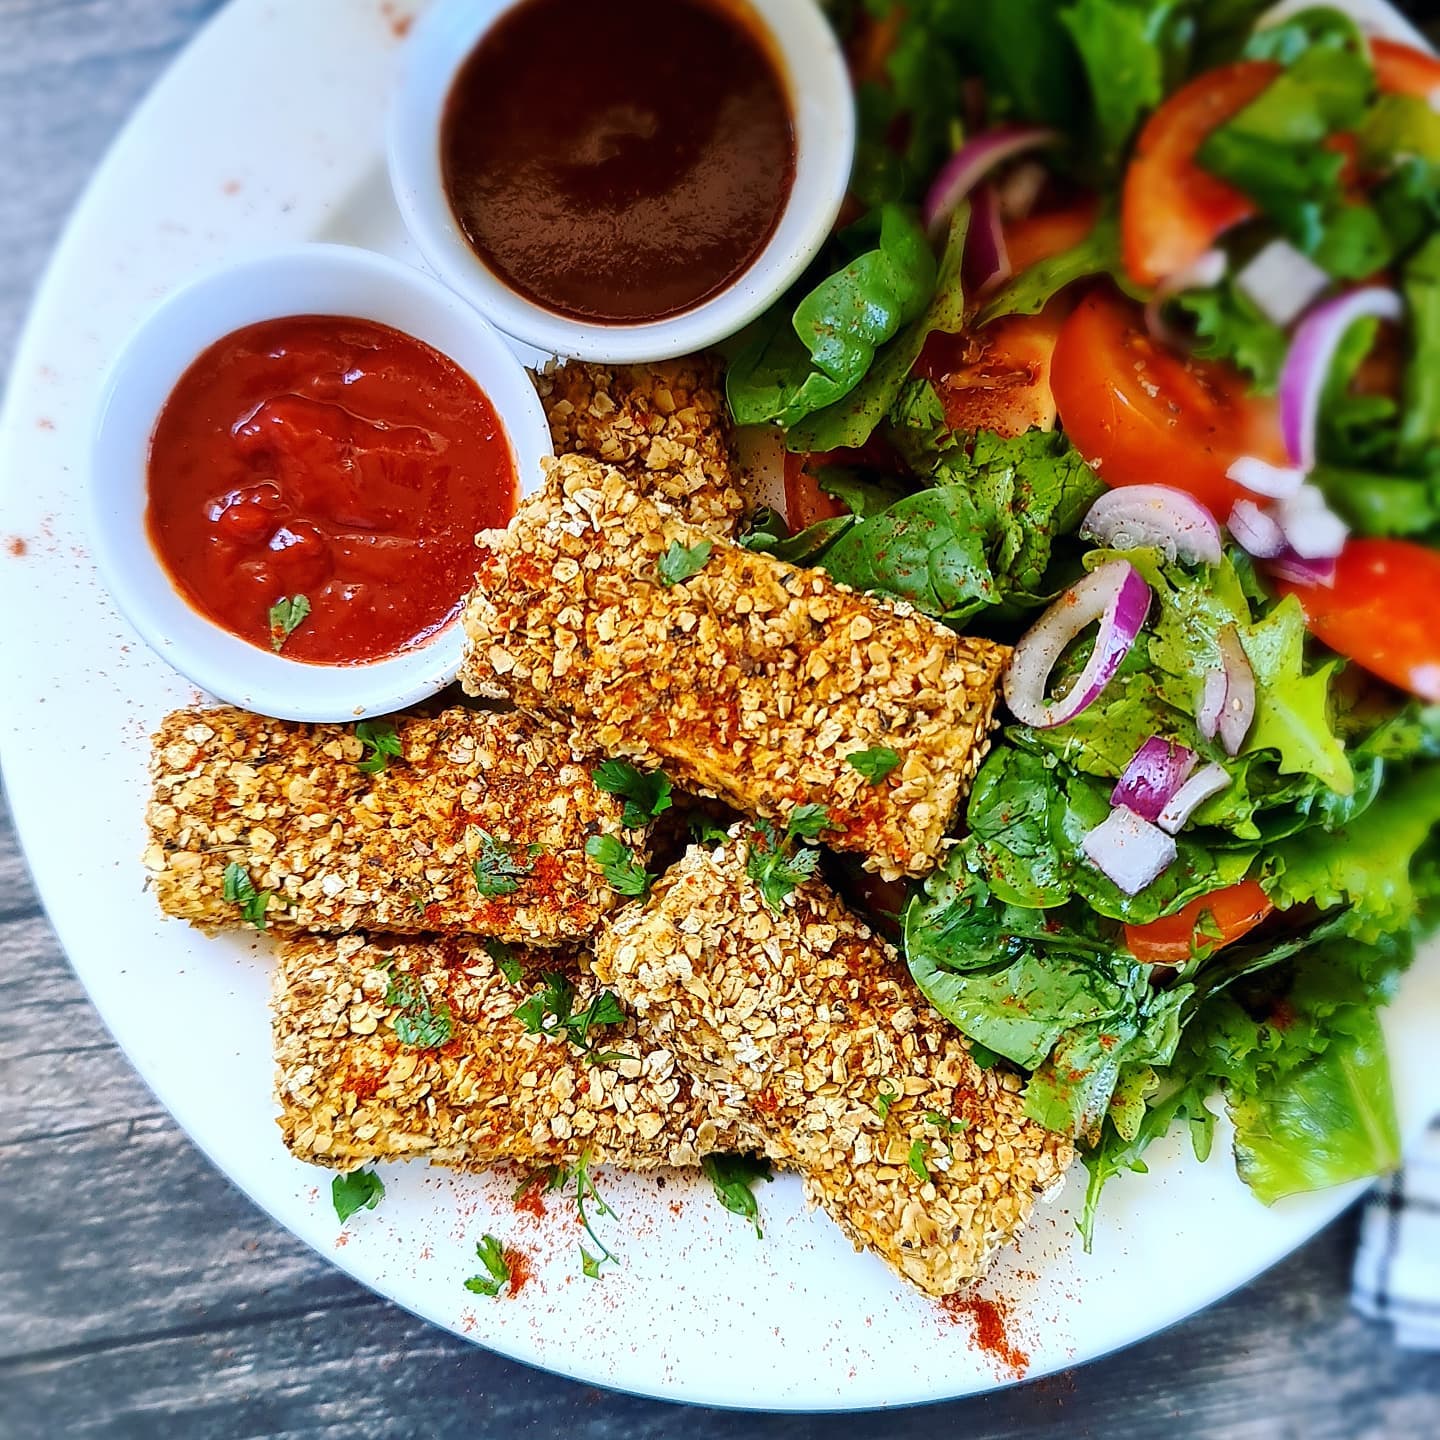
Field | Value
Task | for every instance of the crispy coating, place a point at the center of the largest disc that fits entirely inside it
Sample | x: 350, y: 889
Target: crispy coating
x: 352, y: 1091
x: 665, y: 425
x: 752, y: 681
x: 396, y: 851
x: 801, y: 1022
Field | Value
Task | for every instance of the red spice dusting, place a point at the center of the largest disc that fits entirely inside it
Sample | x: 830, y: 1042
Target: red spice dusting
x: 988, y: 1321
x: 520, y: 1270
x: 231, y: 187
x: 44, y: 423
x: 530, y: 1198
x: 363, y: 1086
x: 17, y: 546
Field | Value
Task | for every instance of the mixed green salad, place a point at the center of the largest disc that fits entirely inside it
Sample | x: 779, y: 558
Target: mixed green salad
x: 1127, y: 353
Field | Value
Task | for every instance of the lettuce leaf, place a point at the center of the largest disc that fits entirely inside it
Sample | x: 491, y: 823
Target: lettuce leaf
x: 1230, y: 326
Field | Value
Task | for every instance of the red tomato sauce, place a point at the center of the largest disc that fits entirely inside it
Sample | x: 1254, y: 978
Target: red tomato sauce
x: 334, y: 459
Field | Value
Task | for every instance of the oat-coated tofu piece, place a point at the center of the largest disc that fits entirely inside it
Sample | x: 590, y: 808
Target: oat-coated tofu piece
x: 752, y: 680
x: 665, y: 425
x: 341, y: 849
x: 802, y: 1023
x: 457, y: 1080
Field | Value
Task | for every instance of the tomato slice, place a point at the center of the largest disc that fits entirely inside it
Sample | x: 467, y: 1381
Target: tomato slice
x: 1234, y: 911
x: 1171, y: 211
x: 1404, y: 70
x: 1144, y: 415
x: 805, y: 502
x: 1381, y: 612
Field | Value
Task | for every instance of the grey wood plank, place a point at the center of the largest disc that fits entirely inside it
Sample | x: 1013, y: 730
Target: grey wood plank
x: 142, y: 1295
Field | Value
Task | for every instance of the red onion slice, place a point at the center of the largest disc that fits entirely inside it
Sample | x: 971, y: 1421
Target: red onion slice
x: 1281, y: 281
x: 972, y: 162
x: 1117, y: 596
x: 1290, y: 566
x: 1307, y: 365
x: 1129, y: 850
x: 1156, y: 771
x: 1255, y: 531
x: 1262, y: 478
x: 1211, y: 703
x: 1137, y: 515
x: 1238, y: 712
x: 986, y: 262
x: 1205, y: 782
x: 1314, y: 530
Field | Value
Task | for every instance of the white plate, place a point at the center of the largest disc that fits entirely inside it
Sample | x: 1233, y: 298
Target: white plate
x: 266, y: 132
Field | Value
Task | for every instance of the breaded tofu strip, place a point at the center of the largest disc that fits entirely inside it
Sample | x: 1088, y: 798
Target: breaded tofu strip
x: 665, y: 425
x: 398, y: 1049
x: 474, y: 803
x: 750, y: 680
x: 804, y: 1021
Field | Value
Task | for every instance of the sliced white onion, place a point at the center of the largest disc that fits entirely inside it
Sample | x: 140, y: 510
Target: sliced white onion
x: 1281, y: 281
x: 1263, y: 478
x: 1256, y: 532
x: 1020, y: 189
x: 1314, y: 530
x: 1307, y: 365
x: 1211, y: 703
x: 1238, y: 712
x: 1289, y: 566
x: 972, y: 162
x: 1138, y: 515
x: 1155, y: 772
x: 1131, y: 851
x: 1117, y: 596
x: 1205, y: 782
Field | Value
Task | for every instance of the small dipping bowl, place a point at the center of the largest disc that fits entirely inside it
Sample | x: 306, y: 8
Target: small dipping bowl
x: 318, y: 280
x: 822, y: 103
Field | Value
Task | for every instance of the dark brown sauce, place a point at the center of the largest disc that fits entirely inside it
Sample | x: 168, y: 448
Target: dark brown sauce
x: 619, y: 161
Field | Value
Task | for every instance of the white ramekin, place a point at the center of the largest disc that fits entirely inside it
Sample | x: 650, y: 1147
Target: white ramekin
x: 823, y: 105
x: 309, y: 280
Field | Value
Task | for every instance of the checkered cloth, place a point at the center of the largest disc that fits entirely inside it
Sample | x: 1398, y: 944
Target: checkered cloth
x: 1397, y: 1268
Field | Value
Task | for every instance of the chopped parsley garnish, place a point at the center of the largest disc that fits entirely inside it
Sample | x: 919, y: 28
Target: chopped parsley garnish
x: 420, y: 1024
x: 551, y: 1012
x: 916, y: 1161
x: 680, y: 562
x: 618, y: 865
x: 497, y: 1276
x: 983, y: 1056
x: 734, y: 1178
x: 359, y: 1190
x: 381, y: 743
x: 704, y: 831
x: 884, y: 1099
x: 873, y: 764
x: 941, y: 1122
x: 775, y: 867
x: 505, y: 960
x: 808, y: 822
x: 239, y: 889
x: 590, y: 1264
x: 285, y: 614
x: 645, y: 796
x: 502, y: 865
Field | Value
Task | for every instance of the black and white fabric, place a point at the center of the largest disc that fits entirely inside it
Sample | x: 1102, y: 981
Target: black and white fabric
x: 1397, y: 1267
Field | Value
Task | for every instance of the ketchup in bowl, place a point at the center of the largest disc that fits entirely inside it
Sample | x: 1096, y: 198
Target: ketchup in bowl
x: 619, y: 162
x: 315, y: 485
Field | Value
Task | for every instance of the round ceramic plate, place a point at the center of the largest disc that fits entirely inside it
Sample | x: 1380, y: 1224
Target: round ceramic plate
x: 267, y: 132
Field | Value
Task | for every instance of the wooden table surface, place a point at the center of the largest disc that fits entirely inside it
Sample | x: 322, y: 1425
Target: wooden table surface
x: 141, y: 1295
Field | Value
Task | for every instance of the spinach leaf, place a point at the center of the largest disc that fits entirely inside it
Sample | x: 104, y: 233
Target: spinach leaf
x: 1120, y: 46
x: 1033, y: 288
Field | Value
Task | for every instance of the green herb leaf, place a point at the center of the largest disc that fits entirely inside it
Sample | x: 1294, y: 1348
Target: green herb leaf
x: 420, y: 1024
x: 645, y: 796
x: 884, y: 1099
x: 808, y: 822
x: 502, y: 866
x: 381, y: 741
x: 285, y: 615
x: 506, y: 961
x: 734, y: 1178
x: 618, y: 865
x: 590, y: 1264
x: 874, y: 764
x: 359, y: 1190
x: 237, y: 888
x: 774, y: 868
x: 1230, y: 326
x: 680, y: 562
x: 916, y: 1161
x: 550, y: 1011
x: 491, y: 1254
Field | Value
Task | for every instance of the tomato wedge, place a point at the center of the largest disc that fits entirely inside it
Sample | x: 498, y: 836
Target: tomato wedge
x: 1172, y: 211
x: 1404, y: 70
x: 1037, y: 237
x: 805, y: 502
x: 1234, y: 912
x: 1144, y: 415
x: 1382, y: 612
